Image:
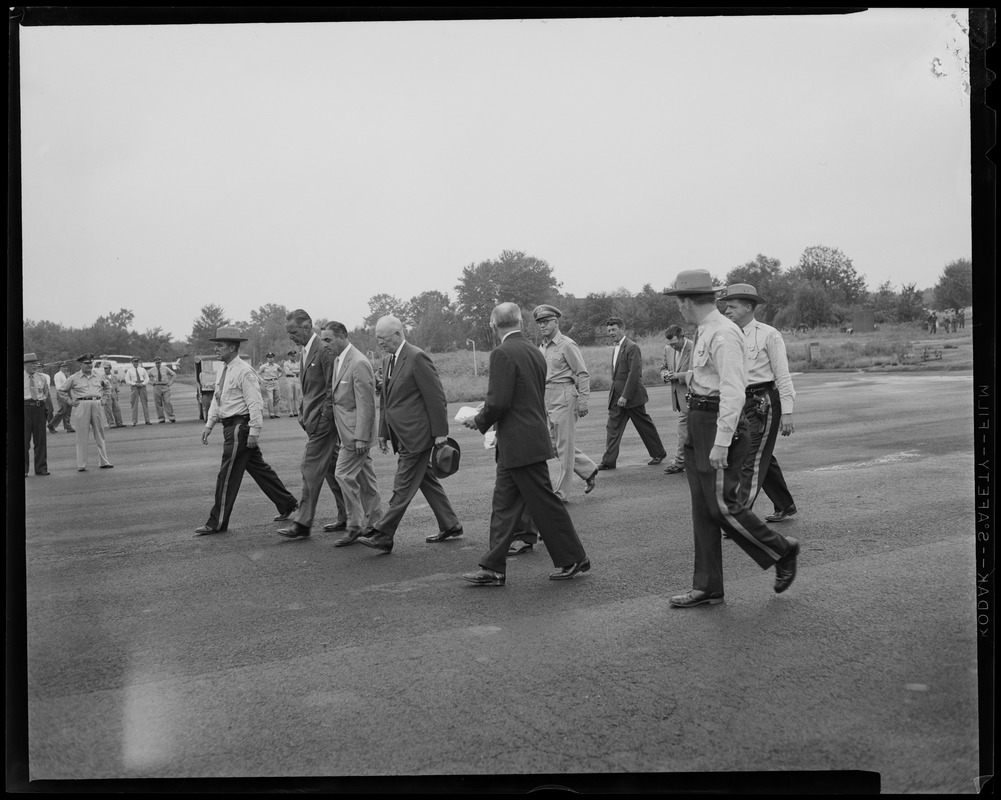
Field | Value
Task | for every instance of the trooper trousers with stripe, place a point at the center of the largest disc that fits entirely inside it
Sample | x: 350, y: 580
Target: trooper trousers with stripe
x: 717, y: 507
x: 761, y: 471
x: 237, y: 458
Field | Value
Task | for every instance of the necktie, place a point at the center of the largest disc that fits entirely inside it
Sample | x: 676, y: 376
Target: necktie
x: 392, y: 363
x: 222, y: 382
x: 159, y: 375
x: 31, y: 384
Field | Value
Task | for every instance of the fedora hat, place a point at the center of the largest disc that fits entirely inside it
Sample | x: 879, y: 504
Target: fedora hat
x: 227, y: 333
x: 692, y: 281
x: 30, y: 358
x: 445, y: 458
x: 742, y: 291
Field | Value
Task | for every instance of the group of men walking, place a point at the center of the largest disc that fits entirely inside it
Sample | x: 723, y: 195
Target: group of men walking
x: 730, y: 387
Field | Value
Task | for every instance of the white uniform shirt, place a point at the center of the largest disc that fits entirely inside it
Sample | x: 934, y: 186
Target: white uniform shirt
x: 766, y: 361
x: 718, y: 370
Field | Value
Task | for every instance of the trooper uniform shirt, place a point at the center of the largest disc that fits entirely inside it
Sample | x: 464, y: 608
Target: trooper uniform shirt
x: 718, y: 370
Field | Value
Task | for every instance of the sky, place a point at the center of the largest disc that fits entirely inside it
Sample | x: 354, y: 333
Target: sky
x: 316, y: 165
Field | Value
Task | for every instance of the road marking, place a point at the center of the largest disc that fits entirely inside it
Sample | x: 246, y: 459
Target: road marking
x: 892, y: 458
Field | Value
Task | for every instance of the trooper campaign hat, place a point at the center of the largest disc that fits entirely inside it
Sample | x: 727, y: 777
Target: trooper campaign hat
x: 546, y: 311
x: 228, y: 333
x: 742, y: 291
x: 445, y: 458
x: 692, y: 281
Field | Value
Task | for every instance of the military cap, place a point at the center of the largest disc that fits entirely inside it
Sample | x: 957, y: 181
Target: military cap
x: 545, y: 312
x: 86, y: 358
x: 270, y: 355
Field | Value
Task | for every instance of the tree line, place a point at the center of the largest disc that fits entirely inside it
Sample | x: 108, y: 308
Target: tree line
x: 823, y: 288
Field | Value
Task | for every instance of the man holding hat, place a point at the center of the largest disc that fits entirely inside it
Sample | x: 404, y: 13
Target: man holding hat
x: 110, y: 401
x: 84, y: 391
x: 162, y: 378
x: 516, y: 405
x: 768, y: 407
x: 270, y: 373
x: 291, y: 387
x: 37, y: 408
x: 717, y: 446
x: 136, y: 378
x: 237, y: 405
x: 568, y: 386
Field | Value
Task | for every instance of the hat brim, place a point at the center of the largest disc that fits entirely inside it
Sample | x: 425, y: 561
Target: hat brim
x: 436, y: 468
x: 691, y: 290
x: 742, y: 296
x: 228, y: 339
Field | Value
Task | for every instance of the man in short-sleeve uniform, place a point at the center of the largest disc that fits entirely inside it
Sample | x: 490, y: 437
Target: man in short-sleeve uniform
x: 717, y: 447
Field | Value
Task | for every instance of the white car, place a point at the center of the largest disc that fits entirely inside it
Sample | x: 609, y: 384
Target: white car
x: 120, y: 362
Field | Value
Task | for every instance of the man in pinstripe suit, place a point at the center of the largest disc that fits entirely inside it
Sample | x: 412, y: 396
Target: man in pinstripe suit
x: 717, y: 447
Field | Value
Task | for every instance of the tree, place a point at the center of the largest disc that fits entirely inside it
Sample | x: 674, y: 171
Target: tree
x: 832, y: 270
x: 885, y: 303
x: 811, y: 306
x: 514, y: 277
x: 432, y: 319
x: 955, y: 286
x: 152, y: 342
x: 910, y: 304
x: 385, y: 305
x: 205, y: 327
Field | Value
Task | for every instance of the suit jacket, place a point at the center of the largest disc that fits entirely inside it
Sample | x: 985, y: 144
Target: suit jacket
x: 516, y: 403
x: 354, y: 399
x: 316, y: 380
x: 679, y: 362
x: 627, y: 376
x: 414, y: 410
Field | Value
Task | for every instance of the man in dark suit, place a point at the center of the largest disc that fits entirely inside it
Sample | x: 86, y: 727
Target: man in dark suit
x: 516, y: 406
x: 414, y: 419
x: 316, y: 417
x: 627, y: 399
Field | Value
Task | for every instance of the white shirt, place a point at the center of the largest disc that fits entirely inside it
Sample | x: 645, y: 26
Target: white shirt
x: 136, y: 376
x: 718, y: 369
x: 241, y: 394
x: 766, y: 361
x: 340, y: 360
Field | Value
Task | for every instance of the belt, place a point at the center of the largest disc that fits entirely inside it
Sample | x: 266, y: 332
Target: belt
x: 760, y: 387
x: 88, y: 398
x: 34, y: 402
x: 558, y: 383
x: 700, y: 402
x: 234, y: 418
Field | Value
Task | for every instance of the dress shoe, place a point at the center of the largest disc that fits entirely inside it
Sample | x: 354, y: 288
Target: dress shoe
x: 173, y: 420
x: 377, y: 541
x: 43, y: 474
x: 674, y: 469
x: 53, y: 430
x: 605, y: 466
x: 565, y: 573
x: 287, y: 514
x: 348, y: 538
x: 591, y: 481
x: 294, y: 531
x: 205, y: 530
x: 696, y: 597
x: 81, y: 469
x: 333, y: 527
x: 149, y: 423
x: 519, y: 546
x: 441, y: 536
x: 107, y: 466
x: 778, y: 516
x: 485, y: 577
x: 71, y: 430
x: 162, y: 421
x: 785, y: 567
x: 655, y: 461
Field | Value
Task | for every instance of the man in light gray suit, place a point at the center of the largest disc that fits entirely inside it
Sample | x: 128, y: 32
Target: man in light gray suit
x: 414, y: 419
x: 354, y: 415
x: 316, y: 417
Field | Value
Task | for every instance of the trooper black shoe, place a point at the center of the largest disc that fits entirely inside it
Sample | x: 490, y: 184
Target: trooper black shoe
x: 778, y: 516
x: 565, y: 573
x: 785, y: 567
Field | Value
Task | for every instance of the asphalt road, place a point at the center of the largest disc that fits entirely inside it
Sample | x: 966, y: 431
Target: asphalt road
x: 154, y: 654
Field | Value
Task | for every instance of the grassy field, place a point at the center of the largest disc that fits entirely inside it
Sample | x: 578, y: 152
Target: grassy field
x: 896, y: 347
